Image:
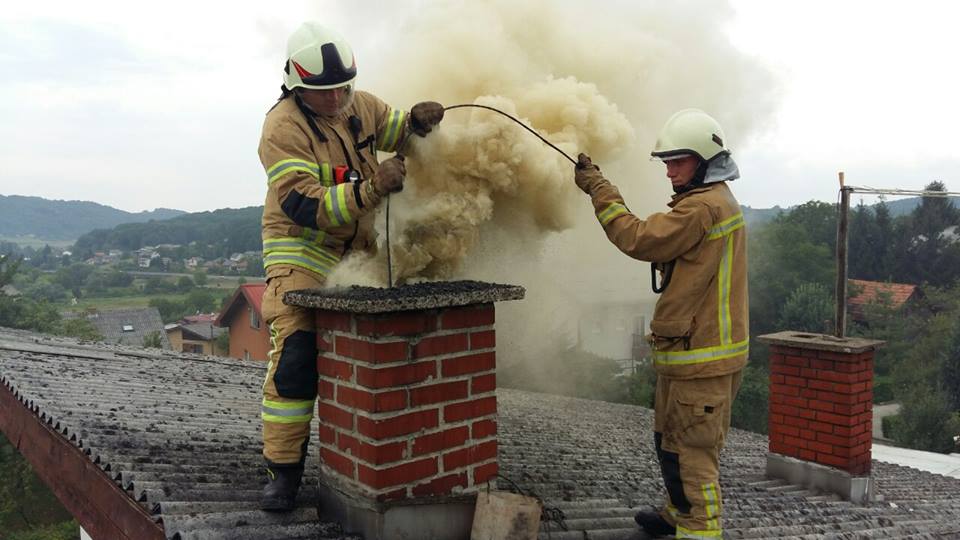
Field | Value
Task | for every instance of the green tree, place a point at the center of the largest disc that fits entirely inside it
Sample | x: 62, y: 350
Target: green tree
x: 80, y: 328
x: 153, y: 340
x: 199, y: 301
x: 750, y: 408
x: 27, y: 507
x: 200, y: 278
x: 184, y: 284
x: 810, y: 308
x: 221, y: 345
x: 927, y: 422
x: 950, y: 371
x: 170, y: 310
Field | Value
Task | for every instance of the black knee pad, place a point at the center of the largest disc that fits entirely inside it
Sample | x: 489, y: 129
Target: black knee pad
x: 296, y: 373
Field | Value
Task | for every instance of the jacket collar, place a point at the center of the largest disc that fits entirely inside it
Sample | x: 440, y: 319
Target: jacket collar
x: 700, y: 189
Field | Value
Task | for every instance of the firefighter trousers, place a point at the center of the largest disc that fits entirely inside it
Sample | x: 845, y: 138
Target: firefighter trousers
x: 692, y: 417
x: 290, y: 386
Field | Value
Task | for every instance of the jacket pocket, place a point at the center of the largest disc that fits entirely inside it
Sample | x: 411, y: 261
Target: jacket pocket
x: 671, y: 334
x: 696, y: 416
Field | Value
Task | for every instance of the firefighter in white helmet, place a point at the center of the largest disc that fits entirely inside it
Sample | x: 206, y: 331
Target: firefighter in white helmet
x: 319, y: 149
x: 699, y: 331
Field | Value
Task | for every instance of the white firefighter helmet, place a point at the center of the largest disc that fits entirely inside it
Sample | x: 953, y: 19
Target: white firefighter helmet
x: 318, y: 58
x: 690, y: 132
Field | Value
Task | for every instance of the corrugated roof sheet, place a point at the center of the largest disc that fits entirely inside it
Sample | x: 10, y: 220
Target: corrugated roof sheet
x: 181, y: 433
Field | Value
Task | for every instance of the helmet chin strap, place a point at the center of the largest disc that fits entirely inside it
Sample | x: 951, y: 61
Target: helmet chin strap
x: 697, y: 179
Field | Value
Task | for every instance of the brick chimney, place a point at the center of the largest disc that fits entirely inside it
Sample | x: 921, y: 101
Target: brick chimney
x: 821, y: 412
x: 407, y: 404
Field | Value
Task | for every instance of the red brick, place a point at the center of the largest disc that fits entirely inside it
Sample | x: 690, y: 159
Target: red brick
x: 795, y: 401
x: 785, y: 370
x: 484, y: 473
x: 334, y: 320
x: 808, y: 414
x: 323, y: 345
x: 483, y: 384
x: 795, y: 381
x: 808, y: 435
x: 786, y: 410
x: 808, y: 393
x: 846, y: 367
x: 821, y: 405
x: 820, y: 447
x: 822, y: 385
x: 394, y: 495
x: 807, y: 455
x: 796, y: 442
x: 784, y: 390
x: 438, y: 393
x: 483, y: 428
x: 403, y: 424
x: 833, y: 418
x: 786, y: 430
x: 440, y: 486
x: 810, y: 373
x: 796, y: 422
x: 400, y: 474
x: 775, y: 419
x: 865, y: 376
x: 470, y: 409
x: 797, y: 361
x: 372, y: 402
x: 776, y: 378
x: 844, y: 442
x: 396, y: 376
x: 838, y: 356
x: 783, y: 448
x: 835, y: 376
x: 325, y: 389
x: 467, y: 317
x: 441, y: 345
x: 466, y: 456
x: 775, y: 397
x: 335, y: 415
x: 777, y: 354
x: 822, y: 427
x: 469, y: 364
x: 328, y: 435
x: 337, y: 462
x: 397, y: 324
x: 371, y: 453
x: 844, y: 431
x: 483, y: 340
x: 367, y: 351
x: 336, y: 369
x: 817, y: 363
x: 434, y: 442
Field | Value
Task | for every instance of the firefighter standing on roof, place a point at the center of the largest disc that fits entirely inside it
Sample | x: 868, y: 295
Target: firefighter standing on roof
x: 319, y: 148
x: 699, y: 331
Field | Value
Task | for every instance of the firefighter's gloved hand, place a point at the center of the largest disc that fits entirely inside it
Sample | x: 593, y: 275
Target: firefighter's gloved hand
x: 425, y: 115
x: 389, y: 176
x: 587, y: 175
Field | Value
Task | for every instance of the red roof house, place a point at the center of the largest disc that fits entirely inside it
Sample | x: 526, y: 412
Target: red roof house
x: 249, y: 335
x: 893, y: 295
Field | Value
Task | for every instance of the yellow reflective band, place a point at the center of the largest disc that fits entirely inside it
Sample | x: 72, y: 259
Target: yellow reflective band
x: 273, y: 349
x: 297, y: 260
x: 712, y: 505
x: 698, y: 535
x: 391, y: 131
x: 725, y: 227
x: 287, y: 412
x: 612, y: 212
x: 335, y: 202
x: 285, y: 166
x: 724, y: 284
x: 702, y: 355
x: 326, y: 174
x: 298, y: 246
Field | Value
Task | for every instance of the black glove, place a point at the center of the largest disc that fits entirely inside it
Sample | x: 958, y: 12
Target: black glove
x: 389, y: 176
x: 425, y: 115
x: 587, y: 175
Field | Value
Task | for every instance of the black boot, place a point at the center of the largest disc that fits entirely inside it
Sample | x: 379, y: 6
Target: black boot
x: 654, y: 524
x: 280, y: 493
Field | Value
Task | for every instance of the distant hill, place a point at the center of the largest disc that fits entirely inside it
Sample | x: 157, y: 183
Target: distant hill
x: 902, y: 207
x: 65, y: 220
x: 230, y: 229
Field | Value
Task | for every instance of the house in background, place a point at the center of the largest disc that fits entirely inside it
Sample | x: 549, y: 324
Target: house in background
x: 134, y: 327
x: 195, y: 337
x: 249, y: 335
x: 864, y: 293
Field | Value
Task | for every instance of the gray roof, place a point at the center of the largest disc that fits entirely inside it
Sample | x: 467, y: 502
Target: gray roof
x: 206, y: 331
x: 127, y: 326
x: 181, y: 433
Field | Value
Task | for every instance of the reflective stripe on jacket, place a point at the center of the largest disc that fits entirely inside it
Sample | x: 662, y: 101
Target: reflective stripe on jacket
x: 700, y: 325
x: 310, y: 221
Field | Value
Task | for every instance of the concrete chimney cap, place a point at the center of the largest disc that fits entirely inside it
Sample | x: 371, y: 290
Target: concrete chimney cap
x: 821, y: 342
x: 419, y: 296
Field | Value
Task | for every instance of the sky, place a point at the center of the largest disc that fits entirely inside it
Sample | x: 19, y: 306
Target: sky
x: 145, y: 105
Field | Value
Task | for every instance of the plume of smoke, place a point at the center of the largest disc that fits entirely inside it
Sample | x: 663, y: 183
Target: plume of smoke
x: 487, y: 200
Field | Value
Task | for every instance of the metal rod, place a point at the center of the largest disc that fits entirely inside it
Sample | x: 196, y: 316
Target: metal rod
x: 840, y: 329
x: 389, y: 261
x: 905, y: 192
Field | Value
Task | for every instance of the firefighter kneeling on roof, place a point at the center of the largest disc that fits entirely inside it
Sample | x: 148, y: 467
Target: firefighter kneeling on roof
x: 700, y: 323
x: 319, y: 148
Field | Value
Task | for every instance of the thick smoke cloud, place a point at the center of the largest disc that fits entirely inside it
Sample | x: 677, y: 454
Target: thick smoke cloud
x: 487, y: 200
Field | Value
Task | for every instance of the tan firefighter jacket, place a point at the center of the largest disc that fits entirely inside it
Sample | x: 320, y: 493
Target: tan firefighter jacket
x: 700, y: 325
x: 309, y: 220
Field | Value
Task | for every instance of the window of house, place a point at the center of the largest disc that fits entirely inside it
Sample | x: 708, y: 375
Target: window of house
x: 254, y: 319
x: 128, y: 328
x: 246, y: 355
x: 193, y: 348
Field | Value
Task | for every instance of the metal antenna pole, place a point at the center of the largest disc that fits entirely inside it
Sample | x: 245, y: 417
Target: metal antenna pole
x: 840, y: 329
